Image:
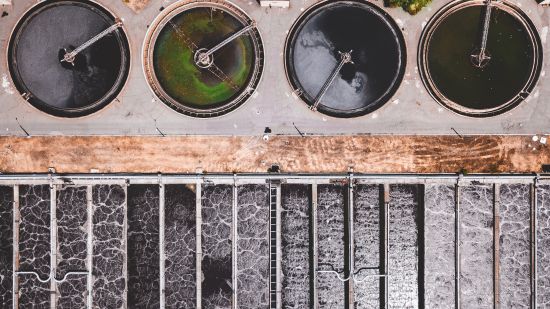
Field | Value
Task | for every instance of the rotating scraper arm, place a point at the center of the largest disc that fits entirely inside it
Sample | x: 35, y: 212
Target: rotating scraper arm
x: 204, y: 56
x: 344, y: 58
x: 480, y: 59
x: 70, y: 56
x: 211, y: 67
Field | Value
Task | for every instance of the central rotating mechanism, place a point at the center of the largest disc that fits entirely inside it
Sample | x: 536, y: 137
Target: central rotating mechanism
x: 69, y: 58
x: 480, y: 58
x: 203, y: 59
x: 345, y: 58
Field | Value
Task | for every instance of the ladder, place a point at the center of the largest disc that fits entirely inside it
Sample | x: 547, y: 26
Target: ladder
x: 273, y: 188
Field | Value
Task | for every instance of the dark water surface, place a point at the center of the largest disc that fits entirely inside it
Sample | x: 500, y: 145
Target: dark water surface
x: 253, y: 246
x: 217, y: 270
x: 368, y: 238
x: 109, y: 280
x: 421, y: 243
x: 143, y: 246
x: 34, y: 245
x: 296, y: 246
x: 543, y: 254
x: 451, y: 68
x: 61, y: 89
x: 404, y: 261
x: 72, y: 219
x: 331, y: 245
x: 6, y: 244
x: 180, y: 246
x: 378, y: 57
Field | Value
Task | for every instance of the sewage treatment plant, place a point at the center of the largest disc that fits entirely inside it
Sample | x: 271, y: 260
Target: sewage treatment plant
x: 217, y: 154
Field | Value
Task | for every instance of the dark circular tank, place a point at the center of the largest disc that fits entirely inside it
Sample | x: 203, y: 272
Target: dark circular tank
x: 92, y: 79
x: 345, y: 58
x: 186, y: 70
x: 450, y: 64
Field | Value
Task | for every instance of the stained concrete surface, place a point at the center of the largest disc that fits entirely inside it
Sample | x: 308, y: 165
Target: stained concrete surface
x: 366, y: 154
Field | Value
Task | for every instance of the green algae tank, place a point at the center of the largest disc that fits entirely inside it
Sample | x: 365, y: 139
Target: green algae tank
x: 220, y: 83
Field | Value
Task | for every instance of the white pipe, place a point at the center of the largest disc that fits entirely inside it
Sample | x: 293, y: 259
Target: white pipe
x: 53, y: 246
x: 235, y: 238
x: 162, y: 255
x: 15, y: 253
x: 496, y: 246
x: 386, y: 243
x: 315, y: 245
x: 198, y: 242
x: 535, y: 244
x: 90, y: 247
x: 51, y: 277
x: 457, y: 244
x: 260, y: 177
x: 351, y: 240
x: 125, y: 246
x: 279, y: 247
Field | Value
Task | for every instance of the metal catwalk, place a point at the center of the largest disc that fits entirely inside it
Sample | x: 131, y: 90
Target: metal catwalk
x: 274, y: 241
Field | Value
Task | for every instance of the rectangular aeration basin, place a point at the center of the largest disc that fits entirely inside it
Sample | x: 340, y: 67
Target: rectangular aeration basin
x: 273, y: 241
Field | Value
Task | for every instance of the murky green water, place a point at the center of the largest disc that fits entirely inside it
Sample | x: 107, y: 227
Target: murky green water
x: 175, y: 68
x: 508, y: 71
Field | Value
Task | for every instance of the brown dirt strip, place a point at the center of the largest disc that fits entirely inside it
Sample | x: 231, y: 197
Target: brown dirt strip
x: 367, y: 154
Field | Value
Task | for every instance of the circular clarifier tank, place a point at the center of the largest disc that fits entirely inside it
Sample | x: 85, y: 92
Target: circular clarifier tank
x: 203, y: 59
x: 479, y: 58
x: 345, y: 58
x: 55, y: 70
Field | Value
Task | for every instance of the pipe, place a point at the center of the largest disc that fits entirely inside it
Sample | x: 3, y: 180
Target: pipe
x: 53, y: 243
x: 457, y: 243
x: 125, y: 240
x: 90, y: 247
x: 315, y: 245
x: 235, y: 239
x: 162, y: 255
x: 351, y: 241
x: 15, y: 251
x: 260, y: 177
x: 279, y: 247
x: 51, y: 277
x: 496, y: 246
x: 198, y: 242
x: 386, y: 243
x: 534, y: 244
